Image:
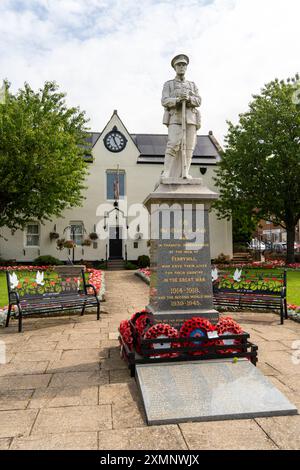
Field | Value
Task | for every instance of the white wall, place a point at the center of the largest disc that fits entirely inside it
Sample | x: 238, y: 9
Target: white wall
x: 140, y: 180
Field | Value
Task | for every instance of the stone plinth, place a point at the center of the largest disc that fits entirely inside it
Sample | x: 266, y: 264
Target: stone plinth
x: 180, y: 284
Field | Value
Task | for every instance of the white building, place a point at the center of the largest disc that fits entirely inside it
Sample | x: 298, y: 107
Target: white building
x: 139, y: 158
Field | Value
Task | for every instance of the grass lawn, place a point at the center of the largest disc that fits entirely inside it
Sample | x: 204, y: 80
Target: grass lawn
x: 293, y: 284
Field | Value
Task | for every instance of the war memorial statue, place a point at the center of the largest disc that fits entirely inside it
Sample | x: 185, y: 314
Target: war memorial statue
x: 190, y: 364
x: 180, y: 98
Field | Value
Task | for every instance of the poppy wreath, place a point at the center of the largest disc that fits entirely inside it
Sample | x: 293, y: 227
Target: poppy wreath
x: 197, y: 327
x: 126, y: 333
x: 142, y: 324
x: 227, y: 325
x: 162, y: 330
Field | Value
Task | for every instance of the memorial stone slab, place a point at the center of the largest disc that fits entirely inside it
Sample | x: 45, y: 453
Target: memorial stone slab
x: 180, y: 283
x: 208, y: 391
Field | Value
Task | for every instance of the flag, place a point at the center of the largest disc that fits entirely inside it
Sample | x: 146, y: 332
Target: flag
x: 3, y: 94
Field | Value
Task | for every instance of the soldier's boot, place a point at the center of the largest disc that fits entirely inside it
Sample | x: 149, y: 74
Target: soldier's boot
x: 189, y: 156
x: 167, y: 166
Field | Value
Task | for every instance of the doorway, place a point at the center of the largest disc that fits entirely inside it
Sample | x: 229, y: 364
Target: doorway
x: 115, y: 243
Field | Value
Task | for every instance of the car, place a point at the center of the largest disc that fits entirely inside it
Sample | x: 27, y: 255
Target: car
x: 279, y: 247
x: 257, y: 245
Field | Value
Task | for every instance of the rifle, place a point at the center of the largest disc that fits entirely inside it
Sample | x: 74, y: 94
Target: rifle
x: 183, y: 141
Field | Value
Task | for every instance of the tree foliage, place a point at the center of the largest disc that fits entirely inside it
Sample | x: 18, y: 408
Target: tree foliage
x: 259, y: 173
x: 42, y: 143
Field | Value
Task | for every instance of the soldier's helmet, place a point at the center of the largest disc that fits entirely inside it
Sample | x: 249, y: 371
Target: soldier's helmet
x: 180, y: 58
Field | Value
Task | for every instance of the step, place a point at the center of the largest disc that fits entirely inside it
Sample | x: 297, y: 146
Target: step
x: 115, y: 264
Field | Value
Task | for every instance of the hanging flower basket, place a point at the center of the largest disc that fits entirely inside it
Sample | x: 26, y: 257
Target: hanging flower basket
x: 93, y: 236
x: 60, y: 243
x: 69, y: 244
x: 53, y: 236
x: 86, y: 242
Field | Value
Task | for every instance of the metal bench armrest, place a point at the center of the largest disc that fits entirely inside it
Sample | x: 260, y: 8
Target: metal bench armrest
x: 16, y: 296
x: 92, y: 287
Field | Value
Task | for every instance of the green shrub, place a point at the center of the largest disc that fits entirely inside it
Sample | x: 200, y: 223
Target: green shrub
x: 99, y: 264
x: 273, y: 256
x: 7, y: 262
x: 222, y: 259
x: 47, y: 260
x: 240, y: 248
x: 130, y: 265
x: 143, y: 261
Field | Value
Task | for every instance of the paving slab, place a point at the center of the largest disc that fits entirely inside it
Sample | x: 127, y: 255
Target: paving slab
x: 69, y: 441
x: 23, y: 368
x: 119, y: 393
x: 88, y: 336
x: 75, y: 379
x: 66, y: 344
x: 72, y: 365
x: 284, y: 431
x: 34, y: 356
x: 5, y: 443
x: 32, y: 346
x: 128, y: 415
x: 72, y: 419
x: 227, y: 435
x: 154, y: 438
x: 113, y: 363
x: 84, y: 355
x: 16, y: 423
x: 207, y: 391
x: 24, y: 382
x: 64, y: 396
x: 14, y: 399
x: 120, y: 376
x: 283, y: 361
x: 266, y: 369
x: 276, y: 333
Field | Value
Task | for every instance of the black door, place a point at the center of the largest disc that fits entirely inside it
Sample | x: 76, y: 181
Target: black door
x: 115, y: 243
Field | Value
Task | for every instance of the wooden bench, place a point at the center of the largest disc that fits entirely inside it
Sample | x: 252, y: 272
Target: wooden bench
x: 252, y: 292
x: 63, y: 289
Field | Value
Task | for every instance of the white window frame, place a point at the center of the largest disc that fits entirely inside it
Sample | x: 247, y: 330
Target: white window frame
x: 34, y: 234
x: 121, y: 172
x: 77, y: 223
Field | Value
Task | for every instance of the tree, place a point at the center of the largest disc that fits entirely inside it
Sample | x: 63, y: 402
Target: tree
x: 259, y: 172
x: 42, y: 143
x: 243, y: 227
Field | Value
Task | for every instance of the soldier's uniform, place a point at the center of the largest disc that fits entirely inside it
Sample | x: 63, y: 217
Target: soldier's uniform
x: 173, y: 119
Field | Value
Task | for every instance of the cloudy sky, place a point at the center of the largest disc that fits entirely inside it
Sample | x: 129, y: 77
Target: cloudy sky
x: 115, y: 54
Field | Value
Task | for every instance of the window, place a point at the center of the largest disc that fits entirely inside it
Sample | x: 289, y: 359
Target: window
x: 113, y: 189
x: 33, y: 235
x: 76, y: 232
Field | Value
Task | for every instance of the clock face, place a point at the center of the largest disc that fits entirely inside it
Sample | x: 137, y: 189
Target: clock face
x: 115, y: 141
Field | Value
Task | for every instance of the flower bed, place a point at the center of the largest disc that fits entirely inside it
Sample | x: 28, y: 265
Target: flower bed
x: 96, y: 277
x: 294, y: 312
x: 251, y: 282
x: 144, y: 274
x: 270, y: 264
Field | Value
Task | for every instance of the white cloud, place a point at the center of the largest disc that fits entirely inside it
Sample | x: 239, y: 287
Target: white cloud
x: 116, y: 54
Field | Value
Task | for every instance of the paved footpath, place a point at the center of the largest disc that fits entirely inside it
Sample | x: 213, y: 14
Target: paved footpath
x: 64, y: 385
